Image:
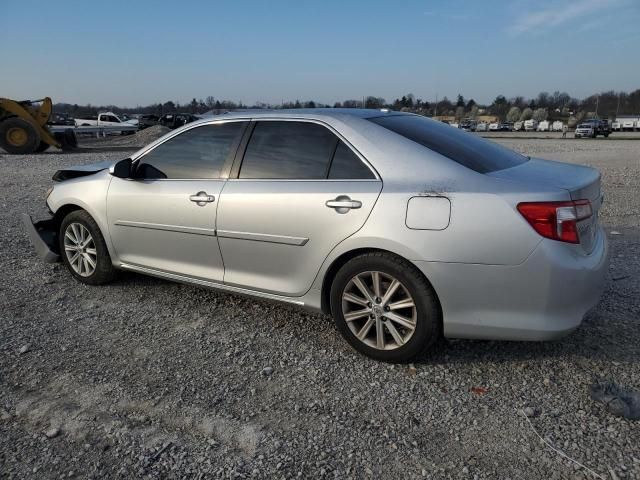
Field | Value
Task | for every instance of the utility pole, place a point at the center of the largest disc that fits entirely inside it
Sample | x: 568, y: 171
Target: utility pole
x: 435, y: 111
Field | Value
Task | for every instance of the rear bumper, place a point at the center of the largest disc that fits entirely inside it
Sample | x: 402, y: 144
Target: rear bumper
x: 43, y: 238
x: 545, y: 297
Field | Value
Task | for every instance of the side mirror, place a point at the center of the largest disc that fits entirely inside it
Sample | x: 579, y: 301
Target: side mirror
x: 122, y: 169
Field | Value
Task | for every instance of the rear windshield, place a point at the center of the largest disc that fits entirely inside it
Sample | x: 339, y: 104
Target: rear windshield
x: 464, y: 148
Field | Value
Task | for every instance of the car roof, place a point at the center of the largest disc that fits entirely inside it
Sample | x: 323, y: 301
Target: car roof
x: 312, y: 113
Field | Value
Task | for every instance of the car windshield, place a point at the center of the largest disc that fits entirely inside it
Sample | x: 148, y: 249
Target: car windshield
x: 464, y: 148
x: 584, y: 125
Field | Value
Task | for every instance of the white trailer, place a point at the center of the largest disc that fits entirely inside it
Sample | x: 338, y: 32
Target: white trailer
x: 557, y: 126
x: 530, y: 125
x: 543, y: 126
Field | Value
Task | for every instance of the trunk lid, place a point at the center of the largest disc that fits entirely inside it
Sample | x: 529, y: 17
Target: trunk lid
x: 582, y: 183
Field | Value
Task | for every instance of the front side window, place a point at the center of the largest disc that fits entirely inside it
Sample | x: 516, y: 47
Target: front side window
x: 198, y: 153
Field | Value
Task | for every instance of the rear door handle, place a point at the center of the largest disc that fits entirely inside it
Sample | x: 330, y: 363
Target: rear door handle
x: 342, y: 204
x: 202, y: 198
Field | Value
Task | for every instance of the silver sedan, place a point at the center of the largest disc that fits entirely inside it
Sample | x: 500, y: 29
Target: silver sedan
x: 400, y: 227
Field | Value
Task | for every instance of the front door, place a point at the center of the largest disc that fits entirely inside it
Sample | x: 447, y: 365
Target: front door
x: 165, y: 217
x: 300, y: 191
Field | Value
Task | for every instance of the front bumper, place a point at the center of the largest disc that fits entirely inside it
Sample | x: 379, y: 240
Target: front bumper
x: 43, y: 237
x: 545, y: 297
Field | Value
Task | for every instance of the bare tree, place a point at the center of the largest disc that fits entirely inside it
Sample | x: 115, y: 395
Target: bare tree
x: 474, y: 112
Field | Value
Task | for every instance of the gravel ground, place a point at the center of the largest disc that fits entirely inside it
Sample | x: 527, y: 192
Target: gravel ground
x: 149, y: 379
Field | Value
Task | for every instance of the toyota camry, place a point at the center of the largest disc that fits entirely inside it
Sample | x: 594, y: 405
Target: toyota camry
x: 403, y: 229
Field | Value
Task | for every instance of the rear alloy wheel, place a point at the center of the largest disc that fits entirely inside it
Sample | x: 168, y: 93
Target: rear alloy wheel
x: 84, y: 250
x: 385, y: 308
x: 379, y: 310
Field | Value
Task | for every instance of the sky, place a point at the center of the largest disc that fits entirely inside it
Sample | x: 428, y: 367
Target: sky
x: 138, y: 52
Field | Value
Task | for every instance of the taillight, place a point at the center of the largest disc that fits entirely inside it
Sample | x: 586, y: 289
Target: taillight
x: 556, y: 220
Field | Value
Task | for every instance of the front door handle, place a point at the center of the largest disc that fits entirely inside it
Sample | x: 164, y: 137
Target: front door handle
x: 202, y: 198
x: 342, y: 204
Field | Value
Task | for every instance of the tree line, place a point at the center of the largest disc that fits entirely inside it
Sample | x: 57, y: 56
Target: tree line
x: 546, y: 106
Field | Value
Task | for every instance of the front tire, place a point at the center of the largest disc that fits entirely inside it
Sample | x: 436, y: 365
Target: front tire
x: 385, y: 308
x: 83, y: 249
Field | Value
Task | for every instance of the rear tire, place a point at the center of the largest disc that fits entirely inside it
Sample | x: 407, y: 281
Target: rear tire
x: 407, y: 331
x: 18, y: 137
x: 83, y: 249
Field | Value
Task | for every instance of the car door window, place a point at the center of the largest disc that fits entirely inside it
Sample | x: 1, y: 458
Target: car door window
x: 288, y: 150
x: 198, y: 153
x: 347, y: 166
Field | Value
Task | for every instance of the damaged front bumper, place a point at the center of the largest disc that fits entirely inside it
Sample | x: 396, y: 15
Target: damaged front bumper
x: 43, y: 236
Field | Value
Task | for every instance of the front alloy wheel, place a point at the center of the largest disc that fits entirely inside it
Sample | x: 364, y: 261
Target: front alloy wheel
x: 80, y: 249
x: 84, y: 250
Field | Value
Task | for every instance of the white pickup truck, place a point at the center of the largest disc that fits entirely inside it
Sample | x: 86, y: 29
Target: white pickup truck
x: 106, y: 119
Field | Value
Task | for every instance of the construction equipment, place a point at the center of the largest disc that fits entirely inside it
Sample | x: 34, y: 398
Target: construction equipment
x: 23, y: 127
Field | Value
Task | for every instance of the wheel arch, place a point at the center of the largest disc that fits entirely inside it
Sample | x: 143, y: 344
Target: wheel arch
x: 65, y: 209
x: 342, y: 259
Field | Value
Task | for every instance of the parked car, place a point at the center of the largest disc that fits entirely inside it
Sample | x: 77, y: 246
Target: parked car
x: 458, y: 236
x: 600, y: 127
x: 468, y: 126
x: 530, y: 125
x: 61, y: 119
x: 585, y: 130
x: 557, y: 126
x: 482, y: 127
x: 506, y: 127
x: 148, y: 120
x: 176, y: 120
x: 494, y: 126
x: 103, y: 119
x: 518, y: 126
x: 454, y: 125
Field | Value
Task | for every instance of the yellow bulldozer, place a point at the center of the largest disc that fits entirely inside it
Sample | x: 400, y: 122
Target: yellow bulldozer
x: 23, y: 127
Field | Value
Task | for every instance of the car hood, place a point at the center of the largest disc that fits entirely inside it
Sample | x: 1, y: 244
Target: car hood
x: 81, y: 170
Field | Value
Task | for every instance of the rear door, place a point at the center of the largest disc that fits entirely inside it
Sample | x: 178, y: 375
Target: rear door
x: 298, y: 192
x: 164, y: 218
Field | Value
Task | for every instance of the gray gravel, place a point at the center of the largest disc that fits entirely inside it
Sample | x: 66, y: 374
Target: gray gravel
x: 149, y: 379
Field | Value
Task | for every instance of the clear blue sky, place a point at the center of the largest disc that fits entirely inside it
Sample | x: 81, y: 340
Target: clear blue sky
x: 137, y: 52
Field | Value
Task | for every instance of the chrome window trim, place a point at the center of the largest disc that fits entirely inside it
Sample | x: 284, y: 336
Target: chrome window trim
x: 138, y: 156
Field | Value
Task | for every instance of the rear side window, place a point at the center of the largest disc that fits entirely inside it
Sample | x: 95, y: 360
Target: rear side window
x: 347, y: 165
x: 198, y: 153
x: 464, y: 148
x: 288, y: 150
